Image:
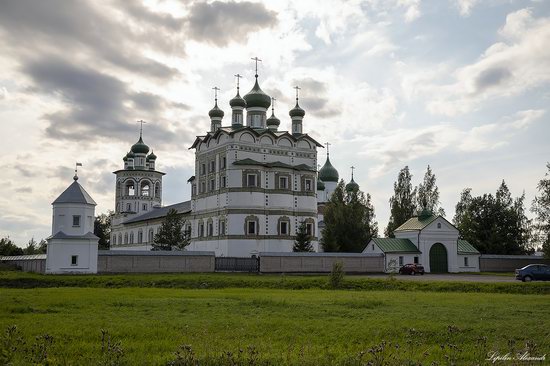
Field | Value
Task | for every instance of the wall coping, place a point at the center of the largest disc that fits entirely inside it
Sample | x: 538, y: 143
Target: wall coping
x: 156, y: 253
x: 502, y: 256
x: 323, y: 254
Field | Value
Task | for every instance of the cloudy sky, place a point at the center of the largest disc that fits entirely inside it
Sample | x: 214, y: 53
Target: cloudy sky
x: 462, y: 85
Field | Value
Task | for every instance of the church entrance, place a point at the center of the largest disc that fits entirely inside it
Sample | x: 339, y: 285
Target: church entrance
x: 438, y: 259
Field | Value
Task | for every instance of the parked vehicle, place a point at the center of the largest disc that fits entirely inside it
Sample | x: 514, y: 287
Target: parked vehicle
x: 411, y: 269
x: 533, y: 272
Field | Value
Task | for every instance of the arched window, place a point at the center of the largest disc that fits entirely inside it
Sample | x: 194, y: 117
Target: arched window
x: 157, y: 189
x: 130, y: 188
x: 125, y: 238
x: 145, y: 188
x: 132, y: 237
x: 140, y: 237
x: 114, y: 239
x: 119, y: 238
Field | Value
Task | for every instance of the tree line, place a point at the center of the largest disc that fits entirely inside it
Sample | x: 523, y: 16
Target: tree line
x: 494, y: 224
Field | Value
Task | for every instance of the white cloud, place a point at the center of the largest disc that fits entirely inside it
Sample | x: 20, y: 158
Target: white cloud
x: 465, y: 6
x: 517, y: 64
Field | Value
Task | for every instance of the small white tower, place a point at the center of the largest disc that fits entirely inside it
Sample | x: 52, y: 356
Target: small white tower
x: 72, y: 247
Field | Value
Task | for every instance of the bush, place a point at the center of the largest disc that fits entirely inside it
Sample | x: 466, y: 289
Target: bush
x: 336, y: 276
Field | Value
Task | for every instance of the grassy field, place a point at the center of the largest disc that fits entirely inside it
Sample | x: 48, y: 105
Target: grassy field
x: 256, y: 326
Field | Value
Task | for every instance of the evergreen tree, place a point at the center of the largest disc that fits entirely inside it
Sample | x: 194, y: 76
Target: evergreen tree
x: 302, y: 243
x: 171, y: 234
x: 402, y: 203
x: 541, y: 208
x: 102, y: 229
x: 428, y: 194
x: 349, y: 221
x: 494, y: 224
x: 42, y: 247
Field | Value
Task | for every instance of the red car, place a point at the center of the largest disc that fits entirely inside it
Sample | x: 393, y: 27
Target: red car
x: 411, y: 269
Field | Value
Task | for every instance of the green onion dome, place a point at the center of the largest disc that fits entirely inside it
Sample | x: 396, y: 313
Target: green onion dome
x: 320, y: 185
x: 216, y: 112
x: 140, y: 147
x: 297, y: 111
x: 352, y: 186
x: 125, y: 158
x: 151, y: 156
x: 273, y: 121
x: 130, y: 155
x: 328, y: 173
x: 237, y: 101
x: 257, y: 98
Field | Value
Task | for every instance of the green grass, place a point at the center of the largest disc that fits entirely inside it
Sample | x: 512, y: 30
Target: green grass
x: 274, y: 326
x: 11, y: 279
x: 238, y: 319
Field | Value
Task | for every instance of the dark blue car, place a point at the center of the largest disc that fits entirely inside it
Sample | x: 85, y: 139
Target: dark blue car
x: 533, y: 272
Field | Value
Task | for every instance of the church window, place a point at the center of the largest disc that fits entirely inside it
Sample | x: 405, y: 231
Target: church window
x: 76, y: 220
x: 308, y: 185
x: 144, y: 207
x: 415, y: 260
x: 251, y: 180
x: 194, y: 189
x: 125, y: 238
x: 132, y: 238
x: 283, y: 182
x: 145, y: 189
x: 140, y: 237
x: 130, y: 189
x: 251, y: 227
x: 309, y: 228
x: 400, y: 260
x: 212, y: 185
x: 283, y: 228
x: 119, y: 238
x: 114, y: 239
x: 201, y: 229
x: 223, y: 162
x: 212, y: 166
x: 74, y: 260
x: 222, y: 182
x: 439, y: 225
x: 203, y: 169
x: 210, y: 229
x: 151, y: 235
x: 465, y: 261
x: 129, y: 207
x: 222, y: 228
x: 157, y: 189
x: 373, y: 247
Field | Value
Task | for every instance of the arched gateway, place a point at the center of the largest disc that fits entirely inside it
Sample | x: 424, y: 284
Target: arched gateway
x: 438, y: 259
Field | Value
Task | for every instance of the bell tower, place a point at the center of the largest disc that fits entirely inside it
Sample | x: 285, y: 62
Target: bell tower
x: 138, y: 184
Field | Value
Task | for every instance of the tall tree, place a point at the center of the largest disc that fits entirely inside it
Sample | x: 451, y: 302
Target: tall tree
x: 349, y: 221
x: 31, y: 248
x: 541, y: 208
x: 302, y: 242
x: 493, y: 224
x: 428, y: 194
x: 171, y: 235
x: 402, y: 203
x: 102, y: 229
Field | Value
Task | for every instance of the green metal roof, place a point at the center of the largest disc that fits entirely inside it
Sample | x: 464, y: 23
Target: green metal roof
x: 466, y: 248
x: 417, y: 223
x: 328, y: 173
x: 389, y: 245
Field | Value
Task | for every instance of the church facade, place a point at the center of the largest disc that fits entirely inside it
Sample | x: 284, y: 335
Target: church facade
x: 253, y: 184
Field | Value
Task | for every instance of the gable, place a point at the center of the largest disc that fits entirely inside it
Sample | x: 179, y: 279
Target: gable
x: 440, y: 224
